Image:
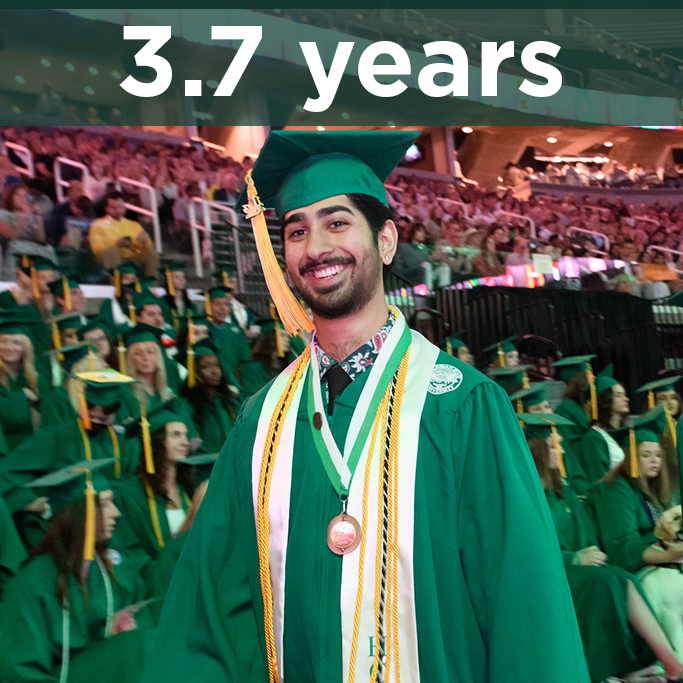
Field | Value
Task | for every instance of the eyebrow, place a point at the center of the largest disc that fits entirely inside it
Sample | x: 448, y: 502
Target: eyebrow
x: 320, y: 213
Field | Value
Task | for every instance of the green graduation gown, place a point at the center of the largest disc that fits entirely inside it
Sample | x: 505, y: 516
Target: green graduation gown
x: 479, y: 515
x: 571, y: 437
x: 15, y: 409
x: 213, y: 423
x: 253, y: 377
x: 232, y: 343
x: 600, y: 596
x: 12, y: 552
x: 31, y: 626
x: 624, y: 527
x: 594, y: 454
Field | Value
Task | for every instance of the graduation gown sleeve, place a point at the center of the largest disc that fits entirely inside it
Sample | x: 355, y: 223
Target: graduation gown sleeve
x: 624, y: 527
x: 592, y: 452
x: 509, y: 549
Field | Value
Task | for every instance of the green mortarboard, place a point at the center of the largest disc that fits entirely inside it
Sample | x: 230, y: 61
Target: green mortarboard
x: 454, y: 341
x: 504, y: 345
x: 196, y: 318
x: 604, y: 380
x: 71, y: 354
x: 142, y: 332
x: 127, y: 268
x: 15, y: 321
x: 539, y: 425
x: 205, y: 347
x: 506, y: 377
x: 103, y: 387
x: 572, y: 366
x: 68, y: 321
x: 647, y: 427
x: 218, y: 292
x: 295, y: 168
x: 222, y: 276
x: 197, y: 460
x: 532, y: 396
x: 38, y: 263
x: 267, y: 324
x: 159, y: 417
x: 171, y: 266
x: 662, y: 384
x: 97, y: 324
x: 57, y: 286
x: 144, y: 298
x: 68, y: 484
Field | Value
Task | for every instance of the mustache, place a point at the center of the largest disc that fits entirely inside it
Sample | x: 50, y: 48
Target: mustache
x: 332, y: 261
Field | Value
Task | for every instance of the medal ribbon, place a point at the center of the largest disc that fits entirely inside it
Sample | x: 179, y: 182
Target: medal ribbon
x: 340, y: 469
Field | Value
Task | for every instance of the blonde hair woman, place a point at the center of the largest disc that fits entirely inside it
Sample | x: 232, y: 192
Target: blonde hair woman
x: 25, y: 396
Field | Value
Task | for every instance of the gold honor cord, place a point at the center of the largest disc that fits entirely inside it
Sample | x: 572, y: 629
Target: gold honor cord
x: 262, y: 520
x: 154, y: 514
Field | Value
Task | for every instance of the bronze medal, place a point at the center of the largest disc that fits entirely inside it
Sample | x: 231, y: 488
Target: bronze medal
x: 343, y: 534
x: 318, y: 421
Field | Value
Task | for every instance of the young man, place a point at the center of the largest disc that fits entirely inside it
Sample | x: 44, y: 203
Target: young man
x: 228, y: 337
x: 114, y: 238
x: 298, y: 570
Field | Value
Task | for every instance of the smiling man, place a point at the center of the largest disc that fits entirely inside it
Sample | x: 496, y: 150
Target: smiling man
x: 375, y: 513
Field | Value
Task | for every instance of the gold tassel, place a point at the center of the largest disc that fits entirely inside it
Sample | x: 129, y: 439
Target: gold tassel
x: 131, y: 314
x: 449, y: 346
x: 633, y: 447
x: 650, y: 399
x: 56, y: 341
x: 226, y: 279
x: 83, y: 406
x: 91, y: 360
x: 191, y: 378
x: 291, y: 313
x: 138, y: 287
x: 34, y: 282
x: 594, y: 396
x: 24, y: 261
x: 520, y: 405
x: 207, y: 305
x: 525, y: 380
x: 117, y: 282
x: 278, y: 341
x: 146, y: 441
x: 672, y: 427
x: 66, y: 292
x: 122, y: 356
x: 501, y: 356
x: 558, y: 450
x: 90, y: 519
x: 169, y: 283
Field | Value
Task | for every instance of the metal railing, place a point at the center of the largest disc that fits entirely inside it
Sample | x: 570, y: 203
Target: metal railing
x: 152, y: 213
x: 207, y: 206
x: 510, y: 214
x: 605, y: 239
x: 60, y: 183
x: 26, y: 155
x: 465, y: 207
x: 679, y: 265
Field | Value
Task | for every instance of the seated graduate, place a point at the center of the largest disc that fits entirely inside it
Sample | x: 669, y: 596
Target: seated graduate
x: 269, y: 357
x: 617, y: 625
x: 511, y: 378
x: 26, y: 397
x: 68, y: 295
x: 208, y: 396
x: 229, y: 338
x: 177, y: 301
x: 532, y: 400
x: 159, y: 501
x: 12, y: 551
x: 455, y: 346
x: 240, y: 314
x: 120, y: 310
x: 103, y: 337
x: 70, y: 611
x: 503, y: 354
x: 598, y: 452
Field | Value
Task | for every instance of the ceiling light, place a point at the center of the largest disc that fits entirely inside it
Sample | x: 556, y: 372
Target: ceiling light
x: 551, y: 140
x: 116, y: 74
x: 20, y: 79
x: 609, y: 144
x: 70, y: 67
x: 466, y: 129
x: 345, y: 116
x: 321, y: 128
x: 93, y: 71
x: 89, y: 90
x: 45, y: 62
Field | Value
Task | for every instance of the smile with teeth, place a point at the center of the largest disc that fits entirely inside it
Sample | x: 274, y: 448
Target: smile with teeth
x: 328, y: 272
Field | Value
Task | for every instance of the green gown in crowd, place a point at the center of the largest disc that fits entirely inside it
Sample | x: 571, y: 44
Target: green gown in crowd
x: 472, y: 574
x: 624, y: 527
x: 213, y: 422
x: 232, y: 343
x: 12, y: 552
x: 31, y: 626
x: 593, y: 455
x: 15, y: 412
x: 571, y: 437
x: 599, y: 594
x: 253, y: 377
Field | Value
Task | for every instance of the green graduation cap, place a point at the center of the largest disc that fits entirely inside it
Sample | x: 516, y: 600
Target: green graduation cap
x: 454, y: 341
x: 142, y: 332
x: 144, y: 298
x: 523, y: 399
x: 572, y: 365
x: 81, y: 481
x: 68, y: 321
x: 658, y: 386
x: 197, y: 460
x: 604, y: 380
x: 675, y: 300
x: 222, y: 277
x: 205, y: 347
x: 645, y: 428
x: 508, y: 376
x: 298, y: 168
x: 16, y: 321
x: 97, y: 324
x: 543, y: 425
x: 31, y: 261
x: 127, y: 268
x: 195, y: 319
x: 71, y: 354
x: 218, y: 292
x: 103, y: 387
x: 58, y: 286
x: 172, y: 266
x: 499, y: 349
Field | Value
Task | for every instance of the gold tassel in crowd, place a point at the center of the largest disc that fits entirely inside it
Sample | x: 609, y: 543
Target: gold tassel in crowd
x: 56, y: 341
x: 34, y: 282
x: 558, y: 450
x: 169, y: 283
x: 191, y: 377
x: 146, y: 441
x: 278, y: 341
x: 138, y: 287
x: 67, y: 293
x: 449, y: 346
x: 501, y: 356
x: 131, y: 314
x: 594, y: 396
x: 122, y: 356
x: 92, y: 360
x: 520, y: 405
x: 650, y: 399
x: 633, y: 447
x: 83, y: 406
x: 672, y: 427
x: 226, y: 279
x: 90, y: 519
x: 117, y: 282
x: 291, y: 313
x: 525, y: 380
x: 207, y: 305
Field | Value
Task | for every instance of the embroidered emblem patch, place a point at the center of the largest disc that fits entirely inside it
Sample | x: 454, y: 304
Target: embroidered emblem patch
x: 444, y: 378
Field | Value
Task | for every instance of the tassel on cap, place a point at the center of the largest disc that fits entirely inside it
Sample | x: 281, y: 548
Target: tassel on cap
x: 594, y: 395
x: 24, y: 261
x: 56, y: 341
x: 449, y: 346
x: 92, y: 360
x: 520, y: 405
x: 169, y: 283
x: 226, y: 279
x: 672, y: 427
x: 122, y: 356
x: 207, y: 305
x: 131, y: 314
x: 633, y: 448
x: 90, y: 519
x: 34, y: 282
x: 138, y: 287
x: 67, y: 293
x: 146, y: 441
x: 83, y: 406
x: 117, y: 282
x: 191, y: 375
x: 650, y: 399
x: 558, y: 451
x: 525, y: 380
x: 501, y: 356
x: 291, y: 313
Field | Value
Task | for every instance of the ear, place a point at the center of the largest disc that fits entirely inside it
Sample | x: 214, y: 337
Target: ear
x: 388, y: 242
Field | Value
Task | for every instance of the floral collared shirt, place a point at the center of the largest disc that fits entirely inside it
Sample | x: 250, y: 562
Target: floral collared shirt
x: 362, y: 358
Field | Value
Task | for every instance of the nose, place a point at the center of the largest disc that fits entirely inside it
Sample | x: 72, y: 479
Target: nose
x: 318, y: 244
x: 116, y: 513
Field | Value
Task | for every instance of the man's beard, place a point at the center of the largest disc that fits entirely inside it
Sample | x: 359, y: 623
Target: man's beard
x: 351, y: 298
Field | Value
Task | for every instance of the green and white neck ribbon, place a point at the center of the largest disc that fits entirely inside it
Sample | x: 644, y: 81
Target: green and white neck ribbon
x: 340, y: 467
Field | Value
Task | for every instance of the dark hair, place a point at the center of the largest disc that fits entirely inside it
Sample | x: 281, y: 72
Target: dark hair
x: 185, y: 474
x: 575, y: 388
x: 64, y: 540
x: 540, y: 452
x: 264, y: 350
x: 198, y: 397
x: 605, y: 402
x: 112, y: 196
